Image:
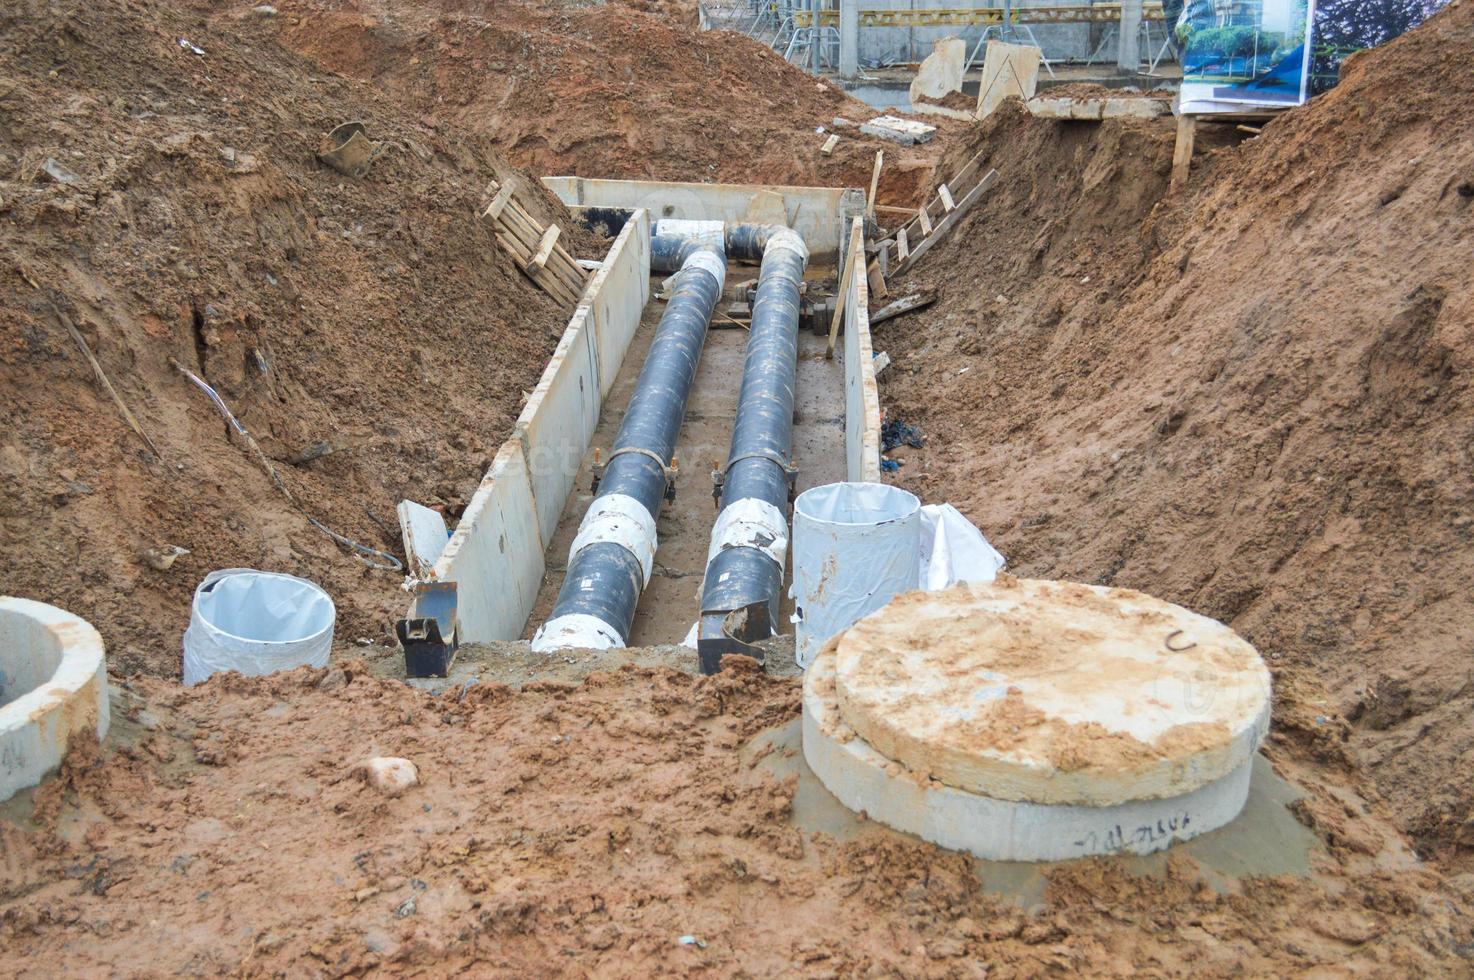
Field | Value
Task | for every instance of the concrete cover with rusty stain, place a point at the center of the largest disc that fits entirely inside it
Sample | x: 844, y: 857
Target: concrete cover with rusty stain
x: 1053, y: 692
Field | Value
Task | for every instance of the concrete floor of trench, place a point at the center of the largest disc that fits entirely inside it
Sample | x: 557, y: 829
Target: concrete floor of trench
x: 668, y: 606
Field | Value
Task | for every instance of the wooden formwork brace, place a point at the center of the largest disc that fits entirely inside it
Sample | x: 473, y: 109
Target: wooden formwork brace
x: 933, y: 220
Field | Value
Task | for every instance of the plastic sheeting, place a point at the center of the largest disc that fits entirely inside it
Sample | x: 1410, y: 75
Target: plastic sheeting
x: 256, y: 623
x: 953, y: 550
x: 855, y: 547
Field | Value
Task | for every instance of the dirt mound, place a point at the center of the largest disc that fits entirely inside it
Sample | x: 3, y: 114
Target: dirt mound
x: 161, y: 192
x: 1254, y: 401
x: 605, y: 90
x: 628, y: 825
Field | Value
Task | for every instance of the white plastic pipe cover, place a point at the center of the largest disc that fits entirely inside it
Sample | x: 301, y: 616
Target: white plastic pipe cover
x: 622, y: 520
x: 750, y: 523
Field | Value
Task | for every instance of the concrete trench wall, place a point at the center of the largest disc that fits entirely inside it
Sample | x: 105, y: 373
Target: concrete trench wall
x: 820, y: 215
x: 53, y: 686
x: 495, y: 555
x: 861, y: 395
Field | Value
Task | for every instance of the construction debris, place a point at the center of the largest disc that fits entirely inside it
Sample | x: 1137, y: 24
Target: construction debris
x: 907, y: 132
x: 1094, y: 110
x: 535, y: 248
x: 1009, y: 70
x: 349, y: 150
x: 906, y: 304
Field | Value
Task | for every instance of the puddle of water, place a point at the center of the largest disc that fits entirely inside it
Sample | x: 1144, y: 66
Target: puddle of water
x: 1265, y: 839
x: 883, y: 96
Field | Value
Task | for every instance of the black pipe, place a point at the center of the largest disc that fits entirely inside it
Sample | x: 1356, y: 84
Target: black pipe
x: 741, y: 592
x: 674, y: 240
x: 605, y: 578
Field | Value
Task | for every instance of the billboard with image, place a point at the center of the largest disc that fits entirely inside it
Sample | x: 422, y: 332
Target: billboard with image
x: 1253, y: 55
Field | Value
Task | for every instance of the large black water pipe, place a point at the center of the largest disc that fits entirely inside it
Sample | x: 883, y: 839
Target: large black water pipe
x: 741, y: 592
x: 610, y: 560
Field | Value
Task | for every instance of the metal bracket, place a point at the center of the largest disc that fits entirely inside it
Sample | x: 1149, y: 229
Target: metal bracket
x: 431, y: 638
x: 790, y: 472
x: 670, y: 471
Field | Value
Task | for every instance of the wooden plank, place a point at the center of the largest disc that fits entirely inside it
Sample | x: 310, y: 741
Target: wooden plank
x: 830, y: 144
x: 963, y: 177
x: 494, y: 210
x: 876, y: 280
x: 1182, y: 152
x: 874, y: 183
x: 883, y: 257
x: 903, y: 247
x: 925, y: 220
x: 906, y: 304
x: 544, y: 248
x: 844, y: 292
x: 945, y: 193
x: 973, y: 196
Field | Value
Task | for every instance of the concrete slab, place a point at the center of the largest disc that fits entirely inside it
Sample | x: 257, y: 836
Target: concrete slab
x: 941, y: 72
x: 1053, y: 692
x: 868, y: 782
x: 425, y: 536
x: 53, y: 687
x: 1009, y: 70
x: 1094, y: 110
x: 904, y: 131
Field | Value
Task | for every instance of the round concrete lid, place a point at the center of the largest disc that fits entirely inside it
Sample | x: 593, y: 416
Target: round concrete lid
x: 1053, y: 692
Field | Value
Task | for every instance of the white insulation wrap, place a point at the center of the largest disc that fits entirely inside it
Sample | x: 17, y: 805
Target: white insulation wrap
x: 708, y: 232
x: 575, y: 630
x: 710, y: 261
x: 789, y: 239
x: 256, y: 623
x: 622, y: 520
x: 953, y: 550
x: 855, y: 547
x: 750, y: 523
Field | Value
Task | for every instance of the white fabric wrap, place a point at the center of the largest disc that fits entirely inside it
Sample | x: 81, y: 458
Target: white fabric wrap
x: 710, y: 261
x: 750, y: 523
x: 622, y: 519
x: 789, y: 239
x: 712, y: 232
x: 575, y: 630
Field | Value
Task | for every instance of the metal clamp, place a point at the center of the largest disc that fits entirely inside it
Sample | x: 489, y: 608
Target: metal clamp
x: 719, y: 475
x: 669, y: 471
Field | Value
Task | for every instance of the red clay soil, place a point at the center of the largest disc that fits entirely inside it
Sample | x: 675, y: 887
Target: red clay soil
x: 189, y: 219
x: 585, y: 829
x: 605, y: 90
x: 1254, y: 400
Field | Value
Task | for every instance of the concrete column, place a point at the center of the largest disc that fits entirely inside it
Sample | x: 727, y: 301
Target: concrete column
x: 1128, y: 56
x: 849, y: 38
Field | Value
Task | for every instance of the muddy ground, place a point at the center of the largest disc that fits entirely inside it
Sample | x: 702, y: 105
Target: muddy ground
x: 632, y: 821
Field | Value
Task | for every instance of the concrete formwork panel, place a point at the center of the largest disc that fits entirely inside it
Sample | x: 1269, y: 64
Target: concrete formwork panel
x: 616, y: 296
x: 53, y: 686
x: 559, y: 419
x: 819, y: 214
x: 861, y: 395
x: 495, y: 556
